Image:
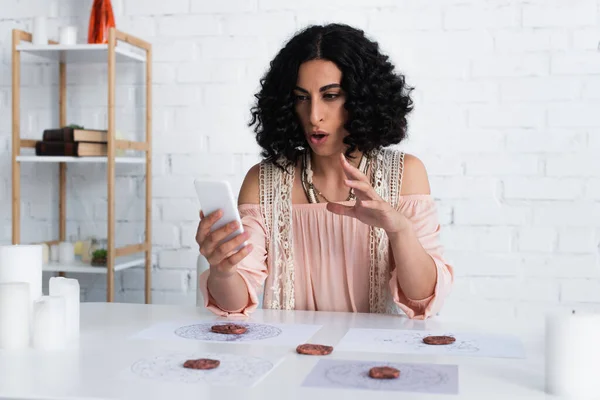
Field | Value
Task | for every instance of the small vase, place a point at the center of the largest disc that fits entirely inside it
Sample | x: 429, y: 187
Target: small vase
x: 101, y: 20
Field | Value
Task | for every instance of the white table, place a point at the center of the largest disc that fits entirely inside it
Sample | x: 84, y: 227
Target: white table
x: 105, y: 350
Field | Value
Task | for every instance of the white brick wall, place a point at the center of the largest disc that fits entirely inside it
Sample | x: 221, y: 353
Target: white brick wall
x: 506, y: 120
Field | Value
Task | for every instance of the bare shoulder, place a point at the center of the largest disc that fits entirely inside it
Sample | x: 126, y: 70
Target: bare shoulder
x: 414, y: 176
x: 250, y: 190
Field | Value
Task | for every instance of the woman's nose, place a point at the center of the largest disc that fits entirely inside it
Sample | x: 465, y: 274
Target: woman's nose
x: 316, y: 112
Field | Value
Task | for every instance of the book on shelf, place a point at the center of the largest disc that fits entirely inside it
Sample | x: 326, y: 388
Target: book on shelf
x: 71, y: 134
x: 73, y: 149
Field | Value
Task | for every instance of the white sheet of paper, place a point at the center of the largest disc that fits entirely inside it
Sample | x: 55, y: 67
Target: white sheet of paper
x: 350, y: 374
x: 411, y: 342
x: 234, y: 370
x: 267, y: 334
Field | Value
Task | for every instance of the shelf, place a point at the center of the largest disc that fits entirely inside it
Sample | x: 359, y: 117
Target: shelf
x: 56, y: 159
x: 128, y: 50
x: 77, y: 266
x: 81, y: 53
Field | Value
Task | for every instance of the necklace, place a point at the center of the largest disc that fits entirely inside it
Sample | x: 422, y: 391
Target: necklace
x: 309, y: 187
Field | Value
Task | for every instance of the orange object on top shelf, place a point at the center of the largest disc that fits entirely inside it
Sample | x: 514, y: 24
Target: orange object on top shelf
x: 101, y: 20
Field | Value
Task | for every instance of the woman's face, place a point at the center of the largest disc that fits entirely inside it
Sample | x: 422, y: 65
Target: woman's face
x: 320, y: 106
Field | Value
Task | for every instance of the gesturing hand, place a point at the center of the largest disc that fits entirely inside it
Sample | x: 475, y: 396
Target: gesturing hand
x: 369, y: 208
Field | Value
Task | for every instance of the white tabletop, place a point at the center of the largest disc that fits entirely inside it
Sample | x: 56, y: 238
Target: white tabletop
x: 106, y: 349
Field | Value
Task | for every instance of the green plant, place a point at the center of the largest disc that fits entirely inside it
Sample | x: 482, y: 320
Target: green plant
x: 100, y: 253
x: 74, y: 126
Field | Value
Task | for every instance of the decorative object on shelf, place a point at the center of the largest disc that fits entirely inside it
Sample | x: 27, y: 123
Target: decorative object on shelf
x: 75, y: 133
x: 101, y: 19
x: 69, y: 289
x: 68, y: 35
x: 77, y: 245
x: 45, y: 253
x: 15, y: 312
x: 99, y: 258
x: 49, y: 326
x: 72, y: 149
x: 72, y: 140
x: 54, y: 253
x: 40, y: 31
x: 66, y: 252
x: 86, y: 250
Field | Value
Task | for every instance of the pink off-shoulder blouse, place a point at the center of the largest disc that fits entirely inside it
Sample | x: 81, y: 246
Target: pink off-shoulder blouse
x: 331, y: 258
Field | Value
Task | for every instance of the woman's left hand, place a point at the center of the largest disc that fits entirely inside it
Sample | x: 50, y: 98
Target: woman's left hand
x: 369, y: 208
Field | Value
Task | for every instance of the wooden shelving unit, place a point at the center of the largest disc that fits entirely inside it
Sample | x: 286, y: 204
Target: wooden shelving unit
x: 118, y: 258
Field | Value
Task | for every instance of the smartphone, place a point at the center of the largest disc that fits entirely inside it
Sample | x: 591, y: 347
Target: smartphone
x: 217, y: 195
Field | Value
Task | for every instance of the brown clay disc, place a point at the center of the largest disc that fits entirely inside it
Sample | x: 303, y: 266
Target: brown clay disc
x: 439, y: 340
x: 229, y: 329
x: 384, y: 373
x: 201, y: 363
x: 314, y: 349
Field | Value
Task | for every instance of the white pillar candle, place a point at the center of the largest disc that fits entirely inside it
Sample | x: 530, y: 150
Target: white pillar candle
x: 54, y: 253
x: 573, y: 355
x: 69, y: 289
x: 40, y: 31
x: 22, y: 263
x: 15, y: 309
x: 49, y: 326
x: 68, y: 35
x: 66, y: 252
x: 45, y: 253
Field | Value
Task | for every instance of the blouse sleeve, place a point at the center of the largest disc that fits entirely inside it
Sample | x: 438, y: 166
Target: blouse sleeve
x: 421, y: 211
x: 252, y: 269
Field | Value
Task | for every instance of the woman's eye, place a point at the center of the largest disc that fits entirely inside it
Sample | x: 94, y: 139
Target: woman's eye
x: 331, y: 96
x: 300, y: 97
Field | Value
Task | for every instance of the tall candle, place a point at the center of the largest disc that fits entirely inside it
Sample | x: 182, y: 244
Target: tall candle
x: 573, y: 355
x: 23, y: 263
x: 69, y: 289
x: 49, y: 326
x: 54, y: 253
x: 45, y: 253
x: 66, y: 252
x: 15, y: 308
x: 40, y: 30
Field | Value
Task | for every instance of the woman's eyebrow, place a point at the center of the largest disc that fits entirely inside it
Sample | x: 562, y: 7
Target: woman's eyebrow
x: 322, y: 89
x: 330, y: 86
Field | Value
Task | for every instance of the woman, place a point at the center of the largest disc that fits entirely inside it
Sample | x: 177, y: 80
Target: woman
x: 334, y: 219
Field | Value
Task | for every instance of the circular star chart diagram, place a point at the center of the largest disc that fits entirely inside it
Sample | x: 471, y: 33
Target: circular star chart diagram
x: 412, y: 377
x: 202, y: 331
x: 415, y: 341
x: 233, y: 369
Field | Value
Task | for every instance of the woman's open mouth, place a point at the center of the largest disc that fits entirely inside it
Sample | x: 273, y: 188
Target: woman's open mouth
x: 318, y: 137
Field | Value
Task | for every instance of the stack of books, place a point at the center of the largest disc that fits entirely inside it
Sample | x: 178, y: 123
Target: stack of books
x: 74, y: 142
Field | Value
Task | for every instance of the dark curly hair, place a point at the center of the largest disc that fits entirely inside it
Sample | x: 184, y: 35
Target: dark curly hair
x: 377, y: 99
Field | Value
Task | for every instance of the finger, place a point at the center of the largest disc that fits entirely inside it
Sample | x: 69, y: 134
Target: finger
x: 363, y: 190
x: 372, y: 204
x: 208, y: 222
x: 198, y: 237
x: 237, y: 257
x: 341, y: 209
x: 212, y: 240
x: 226, y: 249
x: 352, y: 172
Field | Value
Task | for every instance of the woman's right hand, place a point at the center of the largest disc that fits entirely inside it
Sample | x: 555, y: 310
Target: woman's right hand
x: 222, y: 257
